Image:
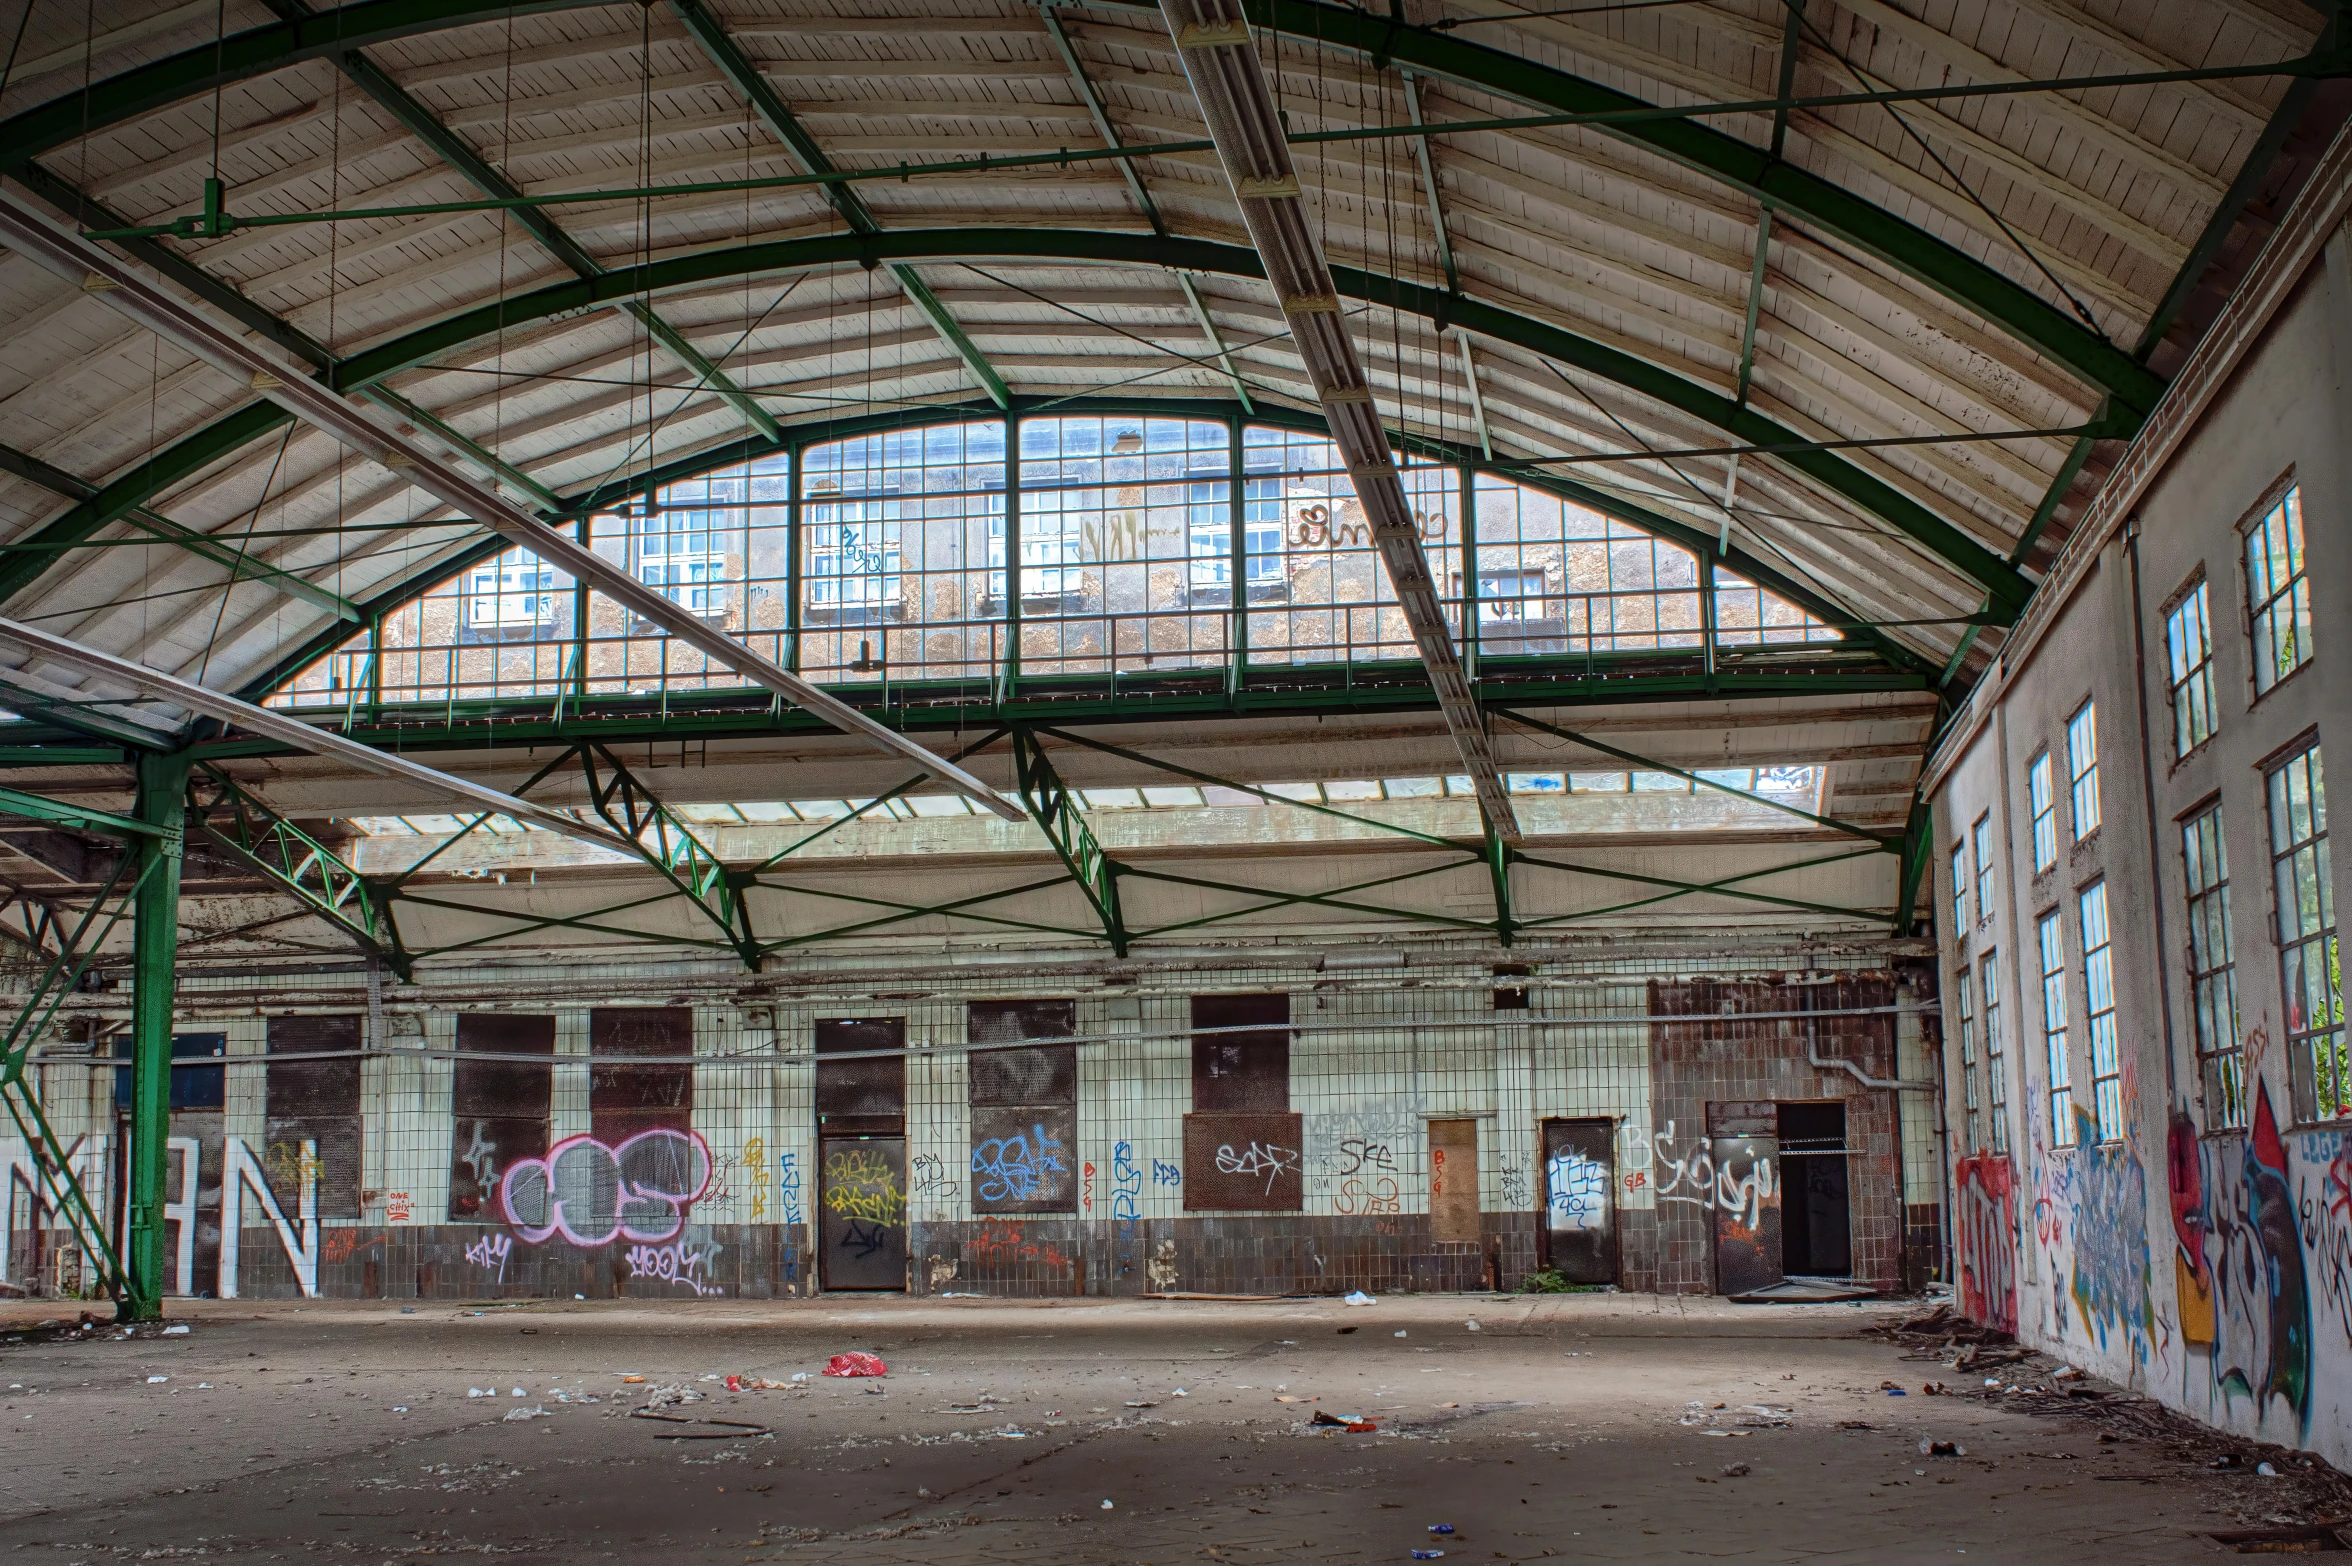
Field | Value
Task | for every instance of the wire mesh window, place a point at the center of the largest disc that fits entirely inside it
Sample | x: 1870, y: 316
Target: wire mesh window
x: 1024, y: 1105
x: 1126, y: 535
x: 715, y: 546
x: 1135, y: 557
x: 313, y: 1113
x: 1959, y: 891
x: 1554, y: 577
x: 2099, y: 1014
x: 896, y: 530
x: 2051, y: 939
x: 502, y: 1105
x: 2310, y: 965
x: 1241, y: 1053
x: 2082, y: 770
x: 2188, y: 653
x: 2043, y: 799
x: 1995, y: 1048
x: 1335, y: 602
x: 2213, y: 973
x: 642, y: 1078
x: 2278, y: 595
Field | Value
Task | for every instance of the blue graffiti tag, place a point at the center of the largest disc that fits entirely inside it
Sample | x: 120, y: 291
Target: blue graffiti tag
x: 1166, y: 1173
x: 1013, y: 1168
x: 788, y: 1204
x: 1126, y: 1199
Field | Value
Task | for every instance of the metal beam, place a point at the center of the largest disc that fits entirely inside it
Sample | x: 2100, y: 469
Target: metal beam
x: 1498, y: 875
x: 59, y: 482
x: 737, y: 67
x: 153, y: 683
x: 669, y: 845
x: 1437, y: 221
x: 1084, y: 86
x: 243, y: 826
x: 155, y: 934
x: 453, y: 150
x: 1477, y: 401
x: 138, y: 298
x: 1056, y: 813
x: 81, y: 818
x: 1229, y: 82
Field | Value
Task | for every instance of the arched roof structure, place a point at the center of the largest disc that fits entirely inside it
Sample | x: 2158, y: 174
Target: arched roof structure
x: 1854, y: 300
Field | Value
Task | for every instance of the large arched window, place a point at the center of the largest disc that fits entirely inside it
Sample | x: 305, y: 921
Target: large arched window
x: 1118, y: 547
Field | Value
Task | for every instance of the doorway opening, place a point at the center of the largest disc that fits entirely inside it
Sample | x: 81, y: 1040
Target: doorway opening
x: 1816, y: 1221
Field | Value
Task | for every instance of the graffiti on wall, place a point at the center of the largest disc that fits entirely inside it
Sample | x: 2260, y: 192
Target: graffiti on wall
x: 755, y: 1164
x: 2110, y: 1281
x: 1126, y: 1202
x: 492, y: 1251
x: 1367, y: 1170
x: 680, y: 1261
x: 2270, y: 1210
x: 1985, y: 1229
x: 2192, y: 1270
x: 1021, y: 1167
x: 1692, y: 1177
x: 591, y: 1194
x: 863, y: 1186
x: 1577, y: 1187
x: 1000, y: 1243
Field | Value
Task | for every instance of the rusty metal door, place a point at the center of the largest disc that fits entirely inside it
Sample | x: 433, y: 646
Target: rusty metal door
x: 1453, y: 1181
x: 1579, y: 1234
x: 862, y: 1212
x: 1746, y: 1200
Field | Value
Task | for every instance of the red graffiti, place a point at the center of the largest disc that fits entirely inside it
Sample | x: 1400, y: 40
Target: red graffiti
x: 340, y: 1244
x: 1086, y: 1200
x: 1987, y: 1236
x: 1637, y: 1180
x: 1001, y: 1242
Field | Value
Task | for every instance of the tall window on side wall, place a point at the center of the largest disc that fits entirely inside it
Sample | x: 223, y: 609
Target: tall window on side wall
x: 1970, y: 1123
x: 2099, y: 1014
x: 2213, y: 974
x: 2052, y: 941
x: 1959, y: 891
x: 1982, y: 836
x: 1996, y: 1062
x: 2188, y: 654
x: 2044, y: 800
x: 314, y: 1102
x: 2278, y: 596
x: 2310, y: 967
x: 1024, y: 1102
x: 2082, y: 770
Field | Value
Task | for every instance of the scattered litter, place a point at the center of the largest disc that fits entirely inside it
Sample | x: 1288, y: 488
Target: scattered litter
x: 923, y: 1493
x: 519, y: 1392
x: 799, y: 1378
x: 1359, y: 1297
x: 1934, y: 1389
x: 631, y: 1380
x: 1180, y: 1392
x: 478, y: 1392
x: 1992, y: 1381
x: 157, y: 1380
x: 534, y: 1412
x: 1441, y: 1527
x: 2266, y: 1471
x: 400, y: 1408
x: 1896, y: 1392
x: 1108, y: 1507
x: 1932, y: 1448
x: 1429, y: 1555
x: 1354, y: 1422
x: 1284, y: 1397
x: 408, y: 1310
x: 2226, y: 1460
x: 1344, y: 1331
x: 176, y: 1331
x: 1400, y: 1332
x: 2067, y: 1373
x: 1143, y: 1405
x: 855, y: 1364
x: 734, y: 1383
x: 1734, y: 1470
x: 1471, y: 1325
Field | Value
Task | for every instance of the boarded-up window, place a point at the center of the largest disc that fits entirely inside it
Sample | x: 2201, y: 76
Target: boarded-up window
x: 1240, y: 1053
x: 1243, y: 1162
x: 867, y: 1095
x: 631, y: 1085
x: 192, y: 1087
x: 501, y: 1106
x: 1453, y: 1182
x: 315, y: 1101
x: 1024, y: 1107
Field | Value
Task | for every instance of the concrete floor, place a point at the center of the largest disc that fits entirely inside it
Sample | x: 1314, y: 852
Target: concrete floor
x: 1565, y: 1426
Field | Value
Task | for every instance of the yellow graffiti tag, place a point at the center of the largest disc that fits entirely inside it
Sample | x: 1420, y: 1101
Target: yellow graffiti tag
x: 859, y: 1184
x: 755, y: 1158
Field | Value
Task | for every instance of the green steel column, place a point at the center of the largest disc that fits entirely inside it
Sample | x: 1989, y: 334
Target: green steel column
x: 162, y: 801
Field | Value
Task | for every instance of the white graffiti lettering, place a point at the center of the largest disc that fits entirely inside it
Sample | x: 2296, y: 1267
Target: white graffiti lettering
x: 1259, y: 1158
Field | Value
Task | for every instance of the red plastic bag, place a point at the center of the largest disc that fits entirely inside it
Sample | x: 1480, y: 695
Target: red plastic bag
x: 855, y: 1364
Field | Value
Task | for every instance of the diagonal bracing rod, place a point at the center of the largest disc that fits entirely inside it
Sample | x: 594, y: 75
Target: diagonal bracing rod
x: 284, y: 383
x: 1229, y: 82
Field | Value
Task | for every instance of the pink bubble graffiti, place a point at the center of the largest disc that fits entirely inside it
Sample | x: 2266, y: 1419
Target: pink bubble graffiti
x: 593, y: 1195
